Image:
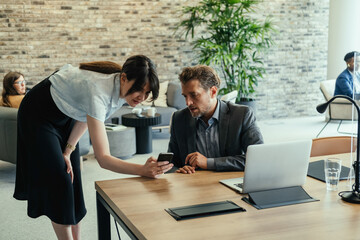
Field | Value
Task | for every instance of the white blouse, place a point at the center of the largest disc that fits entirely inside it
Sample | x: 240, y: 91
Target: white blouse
x: 78, y: 93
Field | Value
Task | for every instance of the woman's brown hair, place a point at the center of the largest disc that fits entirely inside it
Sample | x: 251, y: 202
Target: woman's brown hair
x: 139, y: 68
x: 8, y: 87
x: 105, y: 67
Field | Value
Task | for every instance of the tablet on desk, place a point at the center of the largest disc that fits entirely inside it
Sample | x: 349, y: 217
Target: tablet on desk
x: 202, y: 210
x: 316, y: 170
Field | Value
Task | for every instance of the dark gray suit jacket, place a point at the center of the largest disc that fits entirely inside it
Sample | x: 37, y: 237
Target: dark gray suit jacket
x: 237, y: 130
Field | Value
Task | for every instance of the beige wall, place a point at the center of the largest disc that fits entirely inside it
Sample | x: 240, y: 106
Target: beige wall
x: 344, y: 34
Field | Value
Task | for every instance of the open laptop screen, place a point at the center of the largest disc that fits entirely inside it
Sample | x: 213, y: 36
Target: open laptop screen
x: 275, y: 165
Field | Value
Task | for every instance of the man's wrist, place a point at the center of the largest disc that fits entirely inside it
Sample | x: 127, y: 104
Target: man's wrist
x: 210, y: 163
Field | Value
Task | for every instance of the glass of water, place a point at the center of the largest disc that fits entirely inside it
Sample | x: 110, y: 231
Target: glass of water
x: 332, y: 170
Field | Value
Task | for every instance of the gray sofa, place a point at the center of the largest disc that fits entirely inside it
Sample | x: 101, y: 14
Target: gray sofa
x: 174, y: 100
x: 8, y: 131
x: 8, y: 136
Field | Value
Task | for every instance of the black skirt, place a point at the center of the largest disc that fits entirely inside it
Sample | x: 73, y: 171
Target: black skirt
x: 41, y: 176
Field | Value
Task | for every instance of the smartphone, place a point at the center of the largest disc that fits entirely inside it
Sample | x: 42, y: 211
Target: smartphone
x: 165, y: 157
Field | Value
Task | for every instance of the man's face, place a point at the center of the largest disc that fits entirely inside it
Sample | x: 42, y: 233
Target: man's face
x: 354, y: 64
x: 200, y: 102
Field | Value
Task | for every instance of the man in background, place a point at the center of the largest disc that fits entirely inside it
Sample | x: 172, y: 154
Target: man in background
x: 345, y: 83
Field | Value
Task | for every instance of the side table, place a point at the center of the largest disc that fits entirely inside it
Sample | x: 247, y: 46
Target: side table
x: 142, y: 129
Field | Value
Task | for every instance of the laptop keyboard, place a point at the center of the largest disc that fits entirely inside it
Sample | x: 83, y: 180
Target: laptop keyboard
x: 240, y: 185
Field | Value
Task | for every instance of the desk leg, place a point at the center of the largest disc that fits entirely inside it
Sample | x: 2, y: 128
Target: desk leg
x: 103, y: 219
x: 143, y: 140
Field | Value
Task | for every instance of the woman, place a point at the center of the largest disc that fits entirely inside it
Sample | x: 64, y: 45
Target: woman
x: 51, y: 119
x: 13, y: 90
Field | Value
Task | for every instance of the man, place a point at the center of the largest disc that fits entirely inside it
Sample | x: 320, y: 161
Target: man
x: 344, y: 82
x: 209, y: 133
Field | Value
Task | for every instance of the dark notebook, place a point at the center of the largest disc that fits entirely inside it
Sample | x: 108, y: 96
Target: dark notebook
x: 278, y: 197
x: 316, y: 170
x: 202, y: 210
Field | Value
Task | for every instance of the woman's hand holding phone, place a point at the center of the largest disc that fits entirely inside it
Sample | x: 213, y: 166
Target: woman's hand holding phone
x: 165, y: 157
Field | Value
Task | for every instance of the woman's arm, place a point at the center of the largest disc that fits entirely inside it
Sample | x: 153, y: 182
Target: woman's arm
x: 76, y: 133
x: 102, y: 153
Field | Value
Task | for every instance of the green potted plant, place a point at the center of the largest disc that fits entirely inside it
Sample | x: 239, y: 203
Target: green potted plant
x: 231, y: 39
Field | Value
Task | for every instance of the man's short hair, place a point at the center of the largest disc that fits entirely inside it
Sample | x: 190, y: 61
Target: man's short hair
x: 205, y: 74
x: 350, y: 55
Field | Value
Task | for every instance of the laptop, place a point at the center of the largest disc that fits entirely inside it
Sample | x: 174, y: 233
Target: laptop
x: 272, y: 166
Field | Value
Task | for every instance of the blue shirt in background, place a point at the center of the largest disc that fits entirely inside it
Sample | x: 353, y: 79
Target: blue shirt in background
x: 344, y: 84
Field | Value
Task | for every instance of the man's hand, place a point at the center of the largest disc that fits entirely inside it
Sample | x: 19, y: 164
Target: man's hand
x: 196, y: 159
x: 186, y: 169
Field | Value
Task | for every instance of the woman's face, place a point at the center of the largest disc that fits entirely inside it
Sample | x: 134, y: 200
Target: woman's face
x: 134, y: 98
x: 19, y: 85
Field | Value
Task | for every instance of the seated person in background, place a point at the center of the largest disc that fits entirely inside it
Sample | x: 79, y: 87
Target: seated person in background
x: 344, y: 82
x: 210, y: 133
x: 13, y: 90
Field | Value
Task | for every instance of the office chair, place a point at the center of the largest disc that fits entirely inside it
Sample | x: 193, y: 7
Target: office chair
x: 340, y: 109
x: 332, y: 145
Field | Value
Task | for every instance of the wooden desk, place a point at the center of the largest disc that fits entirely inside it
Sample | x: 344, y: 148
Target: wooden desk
x: 139, y: 203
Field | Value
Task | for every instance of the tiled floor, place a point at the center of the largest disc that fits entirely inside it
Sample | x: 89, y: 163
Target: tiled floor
x: 300, y: 128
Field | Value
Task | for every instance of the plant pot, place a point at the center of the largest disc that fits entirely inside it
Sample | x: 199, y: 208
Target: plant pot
x: 250, y: 102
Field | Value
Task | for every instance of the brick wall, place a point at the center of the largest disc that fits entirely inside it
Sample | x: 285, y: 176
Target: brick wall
x: 298, y: 61
x: 37, y: 37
